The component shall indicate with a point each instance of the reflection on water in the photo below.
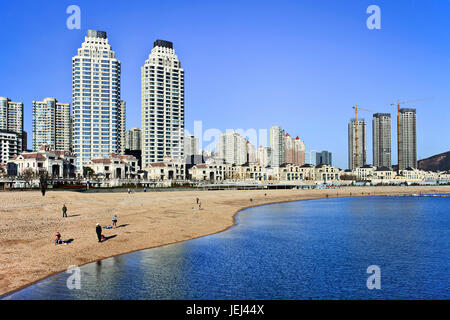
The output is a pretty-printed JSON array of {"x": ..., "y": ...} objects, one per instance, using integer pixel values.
[{"x": 316, "y": 249}]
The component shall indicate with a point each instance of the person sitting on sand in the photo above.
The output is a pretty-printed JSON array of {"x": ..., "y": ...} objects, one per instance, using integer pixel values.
[
  {"x": 114, "y": 221},
  {"x": 199, "y": 206},
  {"x": 98, "y": 230},
  {"x": 58, "y": 238}
]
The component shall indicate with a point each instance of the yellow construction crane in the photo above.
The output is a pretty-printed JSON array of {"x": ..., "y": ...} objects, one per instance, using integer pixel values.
[
  {"x": 356, "y": 130},
  {"x": 397, "y": 104}
]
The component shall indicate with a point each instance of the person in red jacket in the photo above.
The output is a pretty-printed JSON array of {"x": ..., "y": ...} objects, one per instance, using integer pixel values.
[{"x": 57, "y": 238}]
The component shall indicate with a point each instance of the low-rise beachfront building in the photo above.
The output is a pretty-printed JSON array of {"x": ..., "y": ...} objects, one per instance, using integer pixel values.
[
  {"x": 58, "y": 164},
  {"x": 209, "y": 172},
  {"x": 444, "y": 176},
  {"x": 168, "y": 169},
  {"x": 261, "y": 173},
  {"x": 229, "y": 172},
  {"x": 327, "y": 173},
  {"x": 289, "y": 172},
  {"x": 410, "y": 174},
  {"x": 255, "y": 172},
  {"x": 226, "y": 172},
  {"x": 131, "y": 161},
  {"x": 308, "y": 171},
  {"x": 200, "y": 172},
  {"x": 365, "y": 173},
  {"x": 266, "y": 174},
  {"x": 416, "y": 175},
  {"x": 113, "y": 167},
  {"x": 383, "y": 173},
  {"x": 429, "y": 175}
]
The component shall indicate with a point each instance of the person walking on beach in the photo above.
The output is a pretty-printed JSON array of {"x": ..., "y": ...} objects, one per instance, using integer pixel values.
[
  {"x": 98, "y": 230},
  {"x": 197, "y": 200},
  {"x": 64, "y": 211},
  {"x": 114, "y": 221},
  {"x": 199, "y": 206}
]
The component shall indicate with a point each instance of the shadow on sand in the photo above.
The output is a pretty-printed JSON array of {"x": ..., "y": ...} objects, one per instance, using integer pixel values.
[
  {"x": 110, "y": 237},
  {"x": 65, "y": 241}
]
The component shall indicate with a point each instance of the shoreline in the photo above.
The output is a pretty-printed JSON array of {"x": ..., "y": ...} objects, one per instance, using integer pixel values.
[{"x": 282, "y": 196}]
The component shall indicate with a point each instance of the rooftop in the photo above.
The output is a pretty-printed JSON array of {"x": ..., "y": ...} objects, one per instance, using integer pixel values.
[
  {"x": 96, "y": 34},
  {"x": 163, "y": 43}
]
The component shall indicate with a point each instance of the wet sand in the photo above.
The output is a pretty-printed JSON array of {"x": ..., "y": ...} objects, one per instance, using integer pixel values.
[{"x": 29, "y": 221}]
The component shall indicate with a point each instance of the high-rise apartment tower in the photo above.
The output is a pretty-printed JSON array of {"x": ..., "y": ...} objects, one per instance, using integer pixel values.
[
  {"x": 95, "y": 99},
  {"x": 52, "y": 125},
  {"x": 162, "y": 102}
]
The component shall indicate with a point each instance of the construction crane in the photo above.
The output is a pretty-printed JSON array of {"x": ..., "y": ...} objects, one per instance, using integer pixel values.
[
  {"x": 397, "y": 104},
  {"x": 356, "y": 130}
]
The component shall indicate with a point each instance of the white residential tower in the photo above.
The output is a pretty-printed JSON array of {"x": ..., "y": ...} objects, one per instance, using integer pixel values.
[{"x": 96, "y": 99}]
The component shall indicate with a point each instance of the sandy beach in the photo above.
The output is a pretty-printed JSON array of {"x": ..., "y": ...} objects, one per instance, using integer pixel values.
[{"x": 29, "y": 221}]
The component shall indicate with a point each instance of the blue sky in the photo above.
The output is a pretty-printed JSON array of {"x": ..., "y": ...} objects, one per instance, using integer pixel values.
[{"x": 251, "y": 64}]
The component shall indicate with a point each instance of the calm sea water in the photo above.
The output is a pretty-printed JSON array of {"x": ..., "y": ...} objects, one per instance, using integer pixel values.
[{"x": 315, "y": 249}]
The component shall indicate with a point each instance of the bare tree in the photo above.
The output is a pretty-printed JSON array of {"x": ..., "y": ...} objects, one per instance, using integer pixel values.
[
  {"x": 43, "y": 181},
  {"x": 28, "y": 175}
]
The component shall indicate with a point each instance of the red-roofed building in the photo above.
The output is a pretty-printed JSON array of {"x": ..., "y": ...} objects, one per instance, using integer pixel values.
[
  {"x": 294, "y": 151},
  {"x": 58, "y": 164},
  {"x": 168, "y": 169},
  {"x": 115, "y": 166}
]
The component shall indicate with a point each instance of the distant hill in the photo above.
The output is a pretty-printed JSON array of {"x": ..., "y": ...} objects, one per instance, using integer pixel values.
[{"x": 439, "y": 162}]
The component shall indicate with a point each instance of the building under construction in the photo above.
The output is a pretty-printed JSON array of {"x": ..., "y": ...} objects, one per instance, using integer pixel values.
[
  {"x": 356, "y": 143},
  {"x": 408, "y": 138},
  {"x": 381, "y": 138}
]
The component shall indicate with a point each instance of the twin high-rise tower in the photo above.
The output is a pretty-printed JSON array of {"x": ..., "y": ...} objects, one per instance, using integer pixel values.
[{"x": 99, "y": 112}]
